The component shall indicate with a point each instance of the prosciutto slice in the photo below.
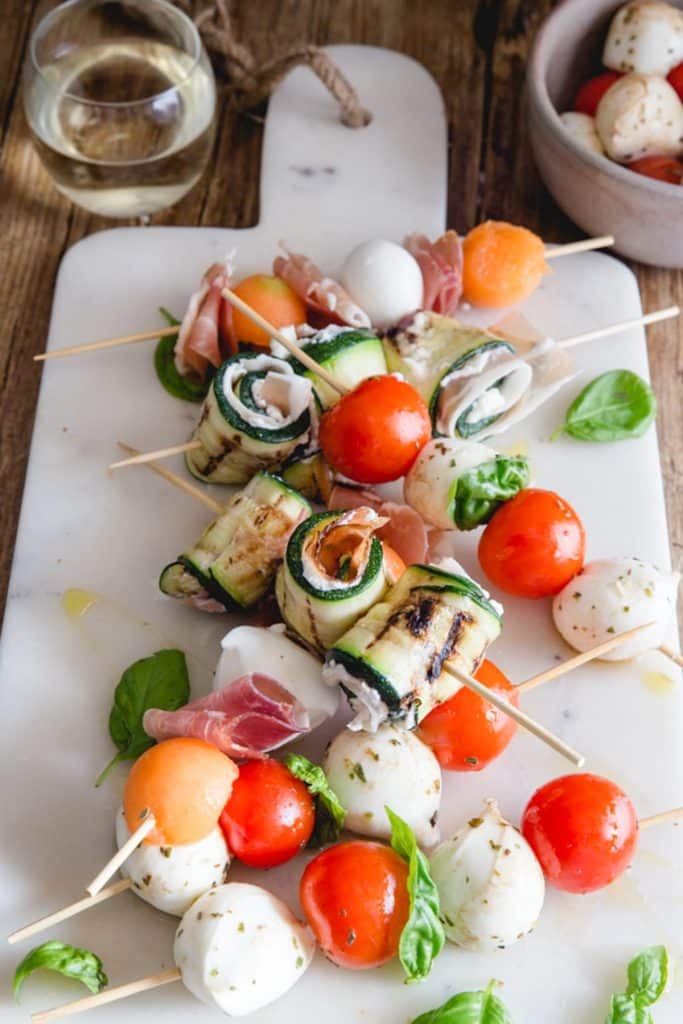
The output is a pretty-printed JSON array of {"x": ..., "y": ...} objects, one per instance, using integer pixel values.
[
  {"x": 404, "y": 531},
  {"x": 245, "y": 719},
  {"x": 441, "y": 266},
  {"x": 206, "y": 334},
  {"x": 325, "y": 298}
]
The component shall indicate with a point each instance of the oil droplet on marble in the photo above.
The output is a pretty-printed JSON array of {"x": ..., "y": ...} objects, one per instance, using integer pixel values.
[
  {"x": 77, "y": 602},
  {"x": 518, "y": 450},
  {"x": 657, "y": 682}
]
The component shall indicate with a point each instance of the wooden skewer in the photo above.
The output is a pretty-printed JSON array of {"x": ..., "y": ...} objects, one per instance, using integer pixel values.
[
  {"x": 96, "y": 346},
  {"x": 675, "y": 814},
  {"x": 624, "y": 325},
  {"x": 177, "y": 481},
  {"x": 123, "y": 853},
  {"x": 159, "y": 453},
  {"x": 110, "y": 995},
  {"x": 669, "y": 653},
  {"x": 69, "y": 911},
  {"x": 601, "y": 242},
  {"x": 519, "y": 716}
]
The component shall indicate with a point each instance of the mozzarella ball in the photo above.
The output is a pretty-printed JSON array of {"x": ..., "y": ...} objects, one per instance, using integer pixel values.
[
  {"x": 390, "y": 767},
  {"x": 645, "y": 36},
  {"x": 171, "y": 878},
  {"x": 385, "y": 280},
  {"x": 240, "y": 948},
  {"x": 612, "y": 595},
  {"x": 581, "y": 128},
  {"x": 640, "y": 115},
  {"x": 491, "y": 886},
  {"x": 429, "y": 486}
]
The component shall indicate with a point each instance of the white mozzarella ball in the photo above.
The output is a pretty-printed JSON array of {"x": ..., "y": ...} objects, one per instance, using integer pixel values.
[
  {"x": 171, "y": 878},
  {"x": 392, "y": 768},
  {"x": 612, "y": 595},
  {"x": 429, "y": 486},
  {"x": 491, "y": 886},
  {"x": 640, "y": 115},
  {"x": 645, "y": 36},
  {"x": 581, "y": 127},
  {"x": 240, "y": 948},
  {"x": 257, "y": 649},
  {"x": 385, "y": 280}
]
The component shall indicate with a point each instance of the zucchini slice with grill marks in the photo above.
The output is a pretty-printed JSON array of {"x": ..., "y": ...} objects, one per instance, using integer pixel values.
[
  {"x": 332, "y": 573},
  {"x": 237, "y": 555},
  {"x": 311, "y": 475},
  {"x": 390, "y": 662},
  {"x": 351, "y": 356},
  {"x": 256, "y": 413}
]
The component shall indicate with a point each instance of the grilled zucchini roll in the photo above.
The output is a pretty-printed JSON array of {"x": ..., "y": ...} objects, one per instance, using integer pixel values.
[
  {"x": 256, "y": 413},
  {"x": 332, "y": 573},
  {"x": 235, "y": 559},
  {"x": 351, "y": 356},
  {"x": 311, "y": 475},
  {"x": 390, "y": 662}
]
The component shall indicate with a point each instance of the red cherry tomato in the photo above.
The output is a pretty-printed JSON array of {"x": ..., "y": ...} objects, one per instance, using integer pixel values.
[
  {"x": 592, "y": 91},
  {"x": 675, "y": 78},
  {"x": 269, "y": 816},
  {"x": 375, "y": 433},
  {"x": 466, "y": 732},
  {"x": 534, "y": 544},
  {"x": 355, "y": 897},
  {"x": 583, "y": 829},
  {"x": 663, "y": 168}
]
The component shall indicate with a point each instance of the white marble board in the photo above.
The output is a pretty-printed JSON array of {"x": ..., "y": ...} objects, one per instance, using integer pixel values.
[{"x": 324, "y": 189}]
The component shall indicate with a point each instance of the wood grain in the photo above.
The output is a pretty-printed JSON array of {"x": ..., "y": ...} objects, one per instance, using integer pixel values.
[{"x": 476, "y": 50}]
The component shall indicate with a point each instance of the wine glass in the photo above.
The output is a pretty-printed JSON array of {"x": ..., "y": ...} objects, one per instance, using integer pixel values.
[{"x": 120, "y": 100}]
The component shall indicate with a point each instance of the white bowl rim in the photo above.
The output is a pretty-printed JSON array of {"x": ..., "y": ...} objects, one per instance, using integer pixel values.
[{"x": 537, "y": 86}]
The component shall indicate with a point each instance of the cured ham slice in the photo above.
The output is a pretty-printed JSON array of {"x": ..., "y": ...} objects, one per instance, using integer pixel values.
[
  {"x": 404, "y": 530},
  {"x": 245, "y": 719},
  {"x": 324, "y": 297},
  {"x": 441, "y": 266},
  {"x": 206, "y": 336}
]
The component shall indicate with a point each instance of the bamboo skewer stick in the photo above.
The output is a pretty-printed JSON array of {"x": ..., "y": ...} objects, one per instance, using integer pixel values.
[
  {"x": 585, "y": 245},
  {"x": 669, "y": 653},
  {"x": 520, "y": 717},
  {"x": 675, "y": 814},
  {"x": 110, "y": 995},
  {"x": 623, "y": 325},
  {"x": 177, "y": 481},
  {"x": 96, "y": 346},
  {"x": 69, "y": 911},
  {"x": 123, "y": 853},
  {"x": 159, "y": 453}
]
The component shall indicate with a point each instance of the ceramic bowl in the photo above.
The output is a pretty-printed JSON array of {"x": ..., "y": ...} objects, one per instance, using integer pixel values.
[{"x": 645, "y": 216}]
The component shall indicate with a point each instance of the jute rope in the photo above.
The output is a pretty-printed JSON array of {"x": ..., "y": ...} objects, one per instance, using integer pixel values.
[{"x": 251, "y": 82}]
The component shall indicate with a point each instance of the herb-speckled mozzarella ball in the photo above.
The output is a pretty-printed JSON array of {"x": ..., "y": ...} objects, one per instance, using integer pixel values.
[
  {"x": 491, "y": 886},
  {"x": 429, "y": 486},
  {"x": 582, "y": 129},
  {"x": 171, "y": 878},
  {"x": 640, "y": 115},
  {"x": 385, "y": 280},
  {"x": 390, "y": 767},
  {"x": 612, "y": 595},
  {"x": 645, "y": 36},
  {"x": 240, "y": 948}
]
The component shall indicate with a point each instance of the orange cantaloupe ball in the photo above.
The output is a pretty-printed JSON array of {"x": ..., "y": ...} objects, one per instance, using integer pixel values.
[
  {"x": 503, "y": 264},
  {"x": 274, "y": 300},
  {"x": 185, "y": 783}
]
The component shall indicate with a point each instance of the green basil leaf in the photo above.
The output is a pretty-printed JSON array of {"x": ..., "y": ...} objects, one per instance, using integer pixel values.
[
  {"x": 615, "y": 406},
  {"x": 160, "y": 681},
  {"x": 422, "y": 938},
  {"x": 469, "y": 1008},
  {"x": 648, "y": 974},
  {"x": 80, "y": 964},
  {"x": 625, "y": 1009},
  {"x": 189, "y": 388},
  {"x": 481, "y": 490},
  {"x": 329, "y": 812}
]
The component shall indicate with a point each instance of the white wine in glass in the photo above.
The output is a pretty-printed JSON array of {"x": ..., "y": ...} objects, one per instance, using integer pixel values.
[{"x": 120, "y": 99}]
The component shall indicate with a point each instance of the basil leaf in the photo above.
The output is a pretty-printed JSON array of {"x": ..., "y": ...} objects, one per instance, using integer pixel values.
[
  {"x": 469, "y": 1008},
  {"x": 648, "y": 974},
  {"x": 329, "y": 812},
  {"x": 615, "y": 406},
  {"x": 422, "y": 938},
  {"x": 80, "y": 964},
  {"x": 625, "y": 1009},
  {"x": 189, "y": 388},
  {"x": 481, "y": 490},
  {"x": 160, "y": 681}
]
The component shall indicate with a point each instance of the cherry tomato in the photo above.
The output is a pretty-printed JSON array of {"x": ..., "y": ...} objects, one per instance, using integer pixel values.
[
  {"x": 583, "y": 829},
  {"x": 663, "y": 168},
  {"x": 675, "y": 78},
  {"x": 533, "y": 545},
  {"x": 269, "y": 816},
  {"x": 274, "y": 300},
  {"x": 355, "y": 897},
  {"x": 375, "y": 432},
  {"x": 466, "y": 732},
  {"x": 592, "y": 91},
  {"x": 185, "y": 783}
]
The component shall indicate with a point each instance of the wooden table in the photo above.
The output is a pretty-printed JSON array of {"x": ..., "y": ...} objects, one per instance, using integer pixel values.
[{"x": 476, "y": 51}]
